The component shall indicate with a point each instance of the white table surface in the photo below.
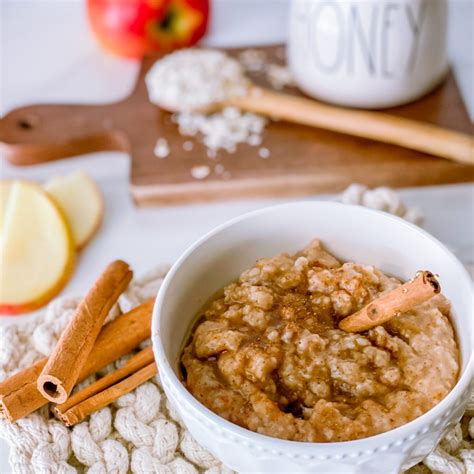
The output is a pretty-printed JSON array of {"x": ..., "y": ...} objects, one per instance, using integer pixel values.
[{"x": 47, "y": 55}]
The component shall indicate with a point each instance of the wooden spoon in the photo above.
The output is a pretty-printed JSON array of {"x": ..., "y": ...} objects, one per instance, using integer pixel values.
[{"x": 378, "y": 126}]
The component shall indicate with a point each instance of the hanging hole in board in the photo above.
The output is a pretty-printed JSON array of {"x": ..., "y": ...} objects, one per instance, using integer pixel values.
[{"x": 28, "y": 123}]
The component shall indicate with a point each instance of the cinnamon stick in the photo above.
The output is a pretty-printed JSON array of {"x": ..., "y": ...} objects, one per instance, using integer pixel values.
[
  {"x": 62, "y": 370},
  {"x": 100, "y": 400},
  {"x": 135, "y": 363},
  {"x": 18, "y": 394},
  {"x": 414, "y": 292}
]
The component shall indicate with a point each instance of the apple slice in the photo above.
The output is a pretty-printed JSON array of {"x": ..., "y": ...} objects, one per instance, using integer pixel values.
[
  {"x": 36, "y": 247},
  {"x": 81, "y": 202}
]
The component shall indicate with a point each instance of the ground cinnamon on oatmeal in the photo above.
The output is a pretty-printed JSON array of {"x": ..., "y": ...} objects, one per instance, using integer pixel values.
[{"x": 268, "y": 356}]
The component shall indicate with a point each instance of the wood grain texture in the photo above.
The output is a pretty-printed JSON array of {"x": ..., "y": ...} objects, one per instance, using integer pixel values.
[{"x": 303, "y": 160}]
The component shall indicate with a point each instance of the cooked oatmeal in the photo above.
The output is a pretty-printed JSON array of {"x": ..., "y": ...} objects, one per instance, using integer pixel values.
[{"x": 267, "y": 354}]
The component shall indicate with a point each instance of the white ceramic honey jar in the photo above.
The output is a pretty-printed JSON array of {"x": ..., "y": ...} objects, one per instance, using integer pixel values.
[{"x": 368, "y": 53}]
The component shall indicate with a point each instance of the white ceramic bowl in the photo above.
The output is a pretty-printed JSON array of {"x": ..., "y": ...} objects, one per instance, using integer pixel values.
[{"x": 351, "y": 233}]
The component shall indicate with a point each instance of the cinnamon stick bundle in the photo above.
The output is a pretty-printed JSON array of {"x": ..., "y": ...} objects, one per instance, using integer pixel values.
[
  {"x": 135, "y": 363},
  {"x": 80, "y": 411},
  {"x": 106, "y": 390},
  {"x": 18, "y": 394},
  {"x": 64, "y": 365},
  {"x": 414, "y": 292}
]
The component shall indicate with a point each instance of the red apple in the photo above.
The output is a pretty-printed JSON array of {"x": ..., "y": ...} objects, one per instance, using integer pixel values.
[{"x": 133, "y": 28}]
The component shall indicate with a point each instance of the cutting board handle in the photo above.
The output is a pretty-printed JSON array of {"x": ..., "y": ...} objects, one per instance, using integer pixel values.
[{"x": 42, "y": 133}]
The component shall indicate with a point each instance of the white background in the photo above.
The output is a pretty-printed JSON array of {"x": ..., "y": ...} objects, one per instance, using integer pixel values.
[{"x": 48, "y": 55}]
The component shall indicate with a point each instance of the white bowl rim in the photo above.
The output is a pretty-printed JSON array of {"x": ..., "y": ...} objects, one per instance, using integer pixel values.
[{"x": 400, "y": 432}]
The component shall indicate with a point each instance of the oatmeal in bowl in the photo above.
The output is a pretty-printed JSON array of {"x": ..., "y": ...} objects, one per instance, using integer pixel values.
[
  {"x": 269, "y": 356},
  {"x": 261, "y": 336}
]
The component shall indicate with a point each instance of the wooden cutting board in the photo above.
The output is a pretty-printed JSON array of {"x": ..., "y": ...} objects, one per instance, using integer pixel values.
[{"x": 302, "y": 160}]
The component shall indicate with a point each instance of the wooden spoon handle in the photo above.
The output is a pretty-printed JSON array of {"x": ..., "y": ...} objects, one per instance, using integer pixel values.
[
  {"x": 378, "y": 126},
  {"x": 41, "y": 133}
]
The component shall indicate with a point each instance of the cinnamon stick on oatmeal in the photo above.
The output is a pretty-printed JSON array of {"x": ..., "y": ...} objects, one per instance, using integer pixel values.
[
  {"x": 100, "y": 400},
  {"x": 414, "y": 292},
  {"x": 61, "y": 372},
  {"x": 18, "y": 394},
  {"x": 135, "y": 363}
]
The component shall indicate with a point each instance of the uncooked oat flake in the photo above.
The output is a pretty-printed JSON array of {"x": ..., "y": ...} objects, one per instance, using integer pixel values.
[
  {"x": 253, "y": 59},
  {"x": 264, "y": 153},
  {"x": 162, "y": 149},
  {"x": 279, "y": 76},
  {"x": 382, "y": 199},
  {"x": 256, "y": 60},
  {"x": 200, "y": 172},
  {"x": 222, "y": 130}
]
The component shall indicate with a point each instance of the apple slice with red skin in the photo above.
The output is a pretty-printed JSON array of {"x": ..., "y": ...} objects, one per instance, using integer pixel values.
[
  {"x": 36, "y": 248},
  {"x": 134, "y": 28}
]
